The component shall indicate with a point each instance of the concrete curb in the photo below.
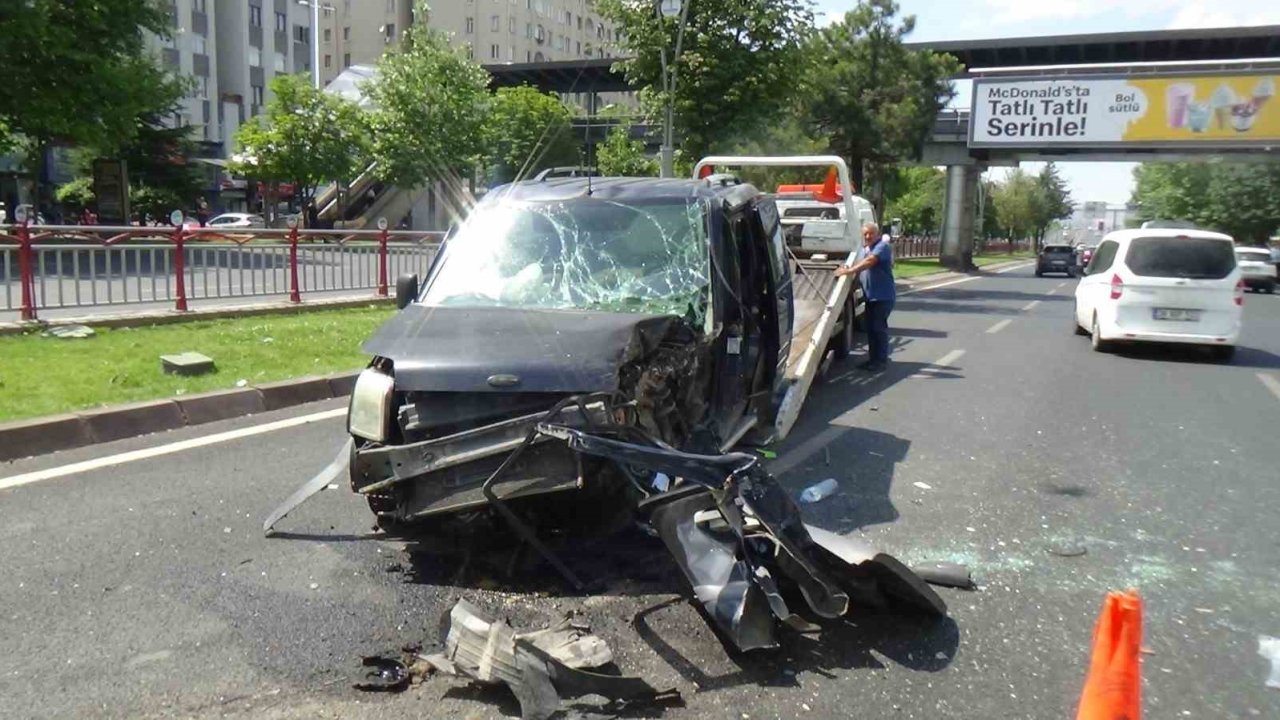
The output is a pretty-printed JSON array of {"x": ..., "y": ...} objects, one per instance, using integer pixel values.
[
  {"x": 167, "y": 317},
  {"x": 38, "y": 436}
]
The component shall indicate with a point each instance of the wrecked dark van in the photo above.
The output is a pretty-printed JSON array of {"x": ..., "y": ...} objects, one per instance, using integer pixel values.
[{"x": 612, "y": 340}]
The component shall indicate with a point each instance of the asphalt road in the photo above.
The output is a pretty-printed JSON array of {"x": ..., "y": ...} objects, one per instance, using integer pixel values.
[{"x": 996, "y": 438}]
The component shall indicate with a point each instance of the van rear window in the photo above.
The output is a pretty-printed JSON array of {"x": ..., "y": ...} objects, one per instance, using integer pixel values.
[{"x": 1181, "y": 257}]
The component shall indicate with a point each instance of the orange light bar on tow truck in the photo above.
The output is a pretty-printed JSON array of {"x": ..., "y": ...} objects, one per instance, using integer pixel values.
[{"x": 828, "y": 192}]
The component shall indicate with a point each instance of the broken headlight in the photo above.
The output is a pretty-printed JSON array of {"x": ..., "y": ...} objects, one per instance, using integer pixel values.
[{"x": 370, "y": 410}]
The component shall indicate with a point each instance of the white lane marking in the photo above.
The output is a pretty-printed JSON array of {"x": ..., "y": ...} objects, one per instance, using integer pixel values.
[
  {"x": 1011, "y": 269},
  {"x": 145, "y": 453},
  {"x": 1272, "y": 384},
  {"x": 1052, "y": 291},
  {"x": 1061, "y": 284},
  {"x": 999, "y": 326},
  {"x": 807, "y": 449},
  {"x": 949, "y": 283},
  {"x": 941, "y": 363},
  {"x": 1028, "y": 306}
]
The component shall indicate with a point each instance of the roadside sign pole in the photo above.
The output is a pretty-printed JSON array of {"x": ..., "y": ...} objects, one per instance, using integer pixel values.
[
  {"x": 295, "y": 296},
  {"x": 179, "y": 267},
  {"x": 26, "y": 272},
  {"x": 382, "y": 257}
]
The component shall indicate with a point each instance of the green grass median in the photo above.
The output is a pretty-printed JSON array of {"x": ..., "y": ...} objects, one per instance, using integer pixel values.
[
  {"x": 45, "y": 375},
  {"x": 903, "y": 269}
]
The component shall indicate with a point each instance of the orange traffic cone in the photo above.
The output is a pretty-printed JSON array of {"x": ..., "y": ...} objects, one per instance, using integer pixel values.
[{"x": 1112, "y": 690}]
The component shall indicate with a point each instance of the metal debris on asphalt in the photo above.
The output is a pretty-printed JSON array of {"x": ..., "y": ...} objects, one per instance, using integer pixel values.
[
  {"x": 538, "y": 667},
  {"x": 383, "y": 675},
  {"x": 946, "y": 574}
]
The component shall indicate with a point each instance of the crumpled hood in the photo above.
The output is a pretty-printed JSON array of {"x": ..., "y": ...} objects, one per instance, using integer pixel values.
[{"x": 460, "y": 349}]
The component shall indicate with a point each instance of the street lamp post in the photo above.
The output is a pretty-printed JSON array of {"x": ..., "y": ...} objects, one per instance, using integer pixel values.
[
  {"x": 315, "y": 36},
  {"x": 668, "y": 9}
]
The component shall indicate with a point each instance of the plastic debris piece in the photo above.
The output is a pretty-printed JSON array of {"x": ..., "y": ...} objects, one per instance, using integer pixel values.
[
  {"x": 383, "y": 675},
  {"x": 768, "y": 454},
  {"x": 922, "y": 486},
  {"x": 67, "y": 332},
  {"x": 1067, "y": 548},
  {"x": 1269, "y": 648},
  {"x": 819, "y": 491},
  {"x": 539, "y": 668},
  {"x": 661, "y": 482},
  {"x": 241, "y": 382},
  {"x": 946, "y": 574}
]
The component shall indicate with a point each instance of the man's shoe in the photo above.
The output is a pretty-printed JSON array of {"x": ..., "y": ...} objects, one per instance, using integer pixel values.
[
  {"x": 874, "y": 367},
  {"x": 867, "y": 365}
]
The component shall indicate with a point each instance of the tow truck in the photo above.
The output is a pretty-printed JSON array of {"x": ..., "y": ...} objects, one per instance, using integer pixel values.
[{"x": 614, "y": 340}]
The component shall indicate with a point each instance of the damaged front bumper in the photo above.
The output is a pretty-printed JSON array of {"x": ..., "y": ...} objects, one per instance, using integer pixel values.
[
  {"x": 735, "y": 533},
  {"x": 743, "y": 547}
]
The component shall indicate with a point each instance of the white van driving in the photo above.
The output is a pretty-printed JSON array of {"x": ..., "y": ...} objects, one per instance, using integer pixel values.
[{"x": 1162, "y": 285}]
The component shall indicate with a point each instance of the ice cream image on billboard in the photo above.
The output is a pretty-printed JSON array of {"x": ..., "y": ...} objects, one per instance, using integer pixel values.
[{"x": 1221, "y": 102}]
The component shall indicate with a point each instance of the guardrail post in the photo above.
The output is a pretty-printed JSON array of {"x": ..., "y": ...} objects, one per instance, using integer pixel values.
[
  {"x": 382, "y": 262},
  {"x": 180, "y": 267},
  {"x": 26, "y": 273},
  {"x": 295, "y": 294}
]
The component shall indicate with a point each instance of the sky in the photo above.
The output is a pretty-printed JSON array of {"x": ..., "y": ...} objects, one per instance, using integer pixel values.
[{"x": 984, "y": 19}]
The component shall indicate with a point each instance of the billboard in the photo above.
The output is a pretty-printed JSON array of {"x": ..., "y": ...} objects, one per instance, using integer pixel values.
[{"x": 1172, "y": 111}]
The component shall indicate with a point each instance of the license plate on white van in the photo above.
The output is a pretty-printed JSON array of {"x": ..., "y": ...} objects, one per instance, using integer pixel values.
[{"x": 1176, "y": 314}]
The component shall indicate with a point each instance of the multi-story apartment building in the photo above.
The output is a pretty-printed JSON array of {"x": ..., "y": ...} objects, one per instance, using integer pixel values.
[
  {"x": 357, "y": 32},
  {"x": 231, "y": 49}
]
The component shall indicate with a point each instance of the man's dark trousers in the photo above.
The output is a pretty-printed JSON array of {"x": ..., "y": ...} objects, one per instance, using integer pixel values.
[{"x": 877, "y": 316}]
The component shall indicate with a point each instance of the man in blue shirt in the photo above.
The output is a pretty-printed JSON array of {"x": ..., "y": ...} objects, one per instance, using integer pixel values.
[{"x": 874, "y": 266}]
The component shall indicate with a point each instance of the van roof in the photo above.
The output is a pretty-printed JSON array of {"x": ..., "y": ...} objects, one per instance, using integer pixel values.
[{"x": 1130, "y": 234}]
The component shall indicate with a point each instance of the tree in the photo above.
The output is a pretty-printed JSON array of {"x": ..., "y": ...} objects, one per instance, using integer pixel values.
[
  {"x": 429, "y": 107},
  {"x": 1015, "y": 202},
  {"x": 736, "y": 71},
  {"x": 528, "y": 131},
  {"x": 79, "y": 73},
  {"x": 872, "y": 98},
  {"x": 620, "y": 156},
  {"x": 1240, "y": 199},
  {"x": 1052, "y": 201},
  {"x": 916, "y": 195},
  {"x": 306, "y": 137}
]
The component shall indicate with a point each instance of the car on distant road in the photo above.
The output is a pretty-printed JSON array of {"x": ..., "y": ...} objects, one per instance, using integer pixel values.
[
  {"x": 1056, "y": 259},
  {"x": 1256, "y": 268},
  {"x": 236, "y": 221},
  {"x": 1162, "y": 286}
]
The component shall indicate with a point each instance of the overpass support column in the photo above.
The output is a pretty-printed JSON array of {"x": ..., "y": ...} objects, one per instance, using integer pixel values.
[{"x": 958, "y": 217}]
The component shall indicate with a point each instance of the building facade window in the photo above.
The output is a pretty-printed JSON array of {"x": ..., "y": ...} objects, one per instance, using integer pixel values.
[
  {"x": 391, "y": 32},
  {"x": 198, "y": 5},
  {"x": 255, "y": 56},
  {"x": 255, "y": 16},
  {"x": 279, "y": 62},
  {"x": 511, "y": 25},
  {"x": 328, "y": 60},
  {"x": 346, "y": 33},
  {"x": 328, "y": 35},
  {"x": 495, "y": 23},
  {"x": 282, "y": 22},
  {"x": 346, "y": 60},
  {"x": 258, "y": 94},
  {"x": 471, "y": 26},
  {"x": 198, "y": 45},
  {"x": 495, "y": 52}
]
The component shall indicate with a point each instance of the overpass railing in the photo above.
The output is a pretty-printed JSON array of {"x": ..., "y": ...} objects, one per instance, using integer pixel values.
[{"x": 63, "y": 266}]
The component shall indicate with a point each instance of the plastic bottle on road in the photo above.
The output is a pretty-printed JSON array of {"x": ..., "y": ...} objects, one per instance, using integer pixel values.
[{"x": 814, "y": 493}]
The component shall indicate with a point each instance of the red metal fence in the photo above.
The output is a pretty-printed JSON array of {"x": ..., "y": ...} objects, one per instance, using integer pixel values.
[{"x": 57, "y": 265}]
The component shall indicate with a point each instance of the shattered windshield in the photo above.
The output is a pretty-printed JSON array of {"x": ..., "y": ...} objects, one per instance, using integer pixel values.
[{"x": 584, "y": 253}]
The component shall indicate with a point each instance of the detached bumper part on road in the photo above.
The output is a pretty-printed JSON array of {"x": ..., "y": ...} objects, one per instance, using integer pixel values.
[{"x": 734, "y": 532}]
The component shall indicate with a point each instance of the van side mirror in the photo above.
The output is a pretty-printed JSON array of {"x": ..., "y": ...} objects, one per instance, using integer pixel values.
[{"x": 406, "y": 290}]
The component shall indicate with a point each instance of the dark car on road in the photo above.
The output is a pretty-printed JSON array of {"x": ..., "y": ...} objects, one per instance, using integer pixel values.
[{"x": 1056, "y": 259}]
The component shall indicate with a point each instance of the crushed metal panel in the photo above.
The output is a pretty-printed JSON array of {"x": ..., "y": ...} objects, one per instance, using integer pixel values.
[{"x": 539, "y": 667}]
